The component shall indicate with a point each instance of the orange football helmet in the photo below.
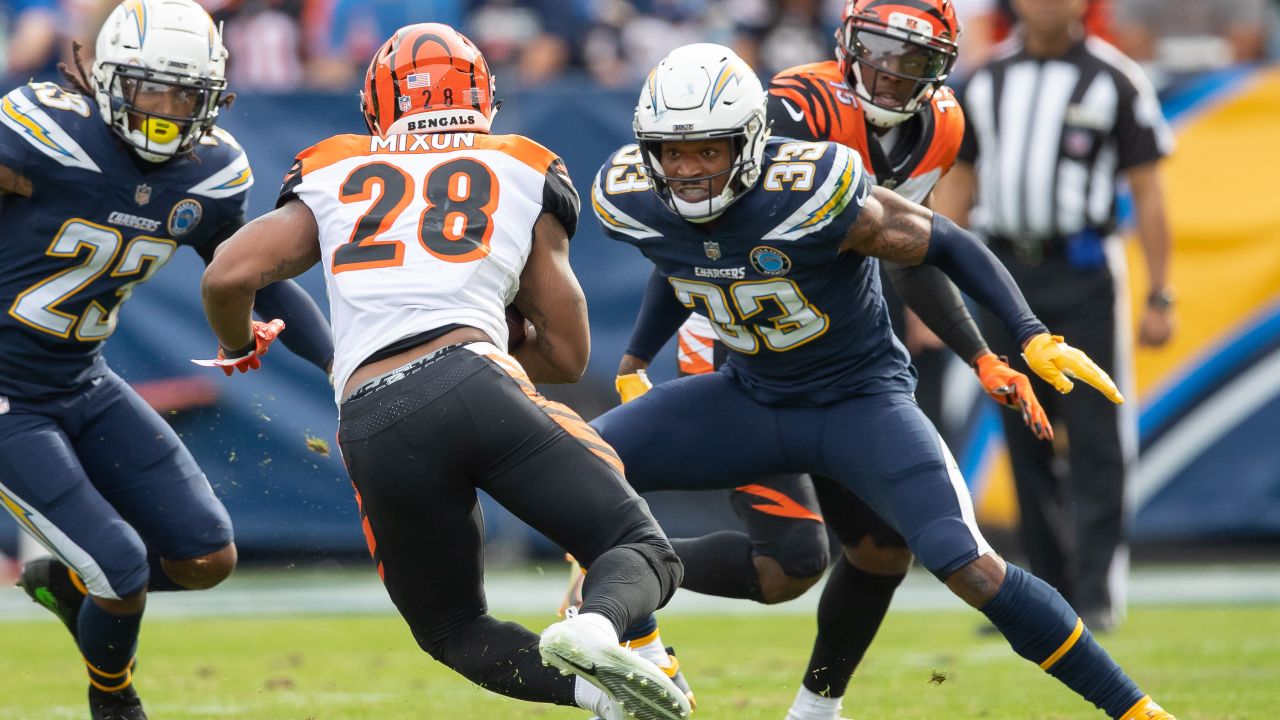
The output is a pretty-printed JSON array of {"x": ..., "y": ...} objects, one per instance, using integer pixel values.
[
  {"x": 895, "y": 53},
  {"x": 428, "y": 78}
]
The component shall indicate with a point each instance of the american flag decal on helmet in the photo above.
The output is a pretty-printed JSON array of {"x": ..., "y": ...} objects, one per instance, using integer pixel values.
[{"x": 417, "y": 80}]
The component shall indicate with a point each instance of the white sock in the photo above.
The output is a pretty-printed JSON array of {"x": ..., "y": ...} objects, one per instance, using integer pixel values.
[
  {"x": 589, "y": 697},
  {"x": 653, "y": 650},
  {"x": 809, "y": 705},
  {"x": 599, "y": 621}
]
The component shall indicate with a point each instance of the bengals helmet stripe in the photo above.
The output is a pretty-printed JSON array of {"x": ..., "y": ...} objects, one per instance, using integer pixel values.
[
  {"x": 926, "y": 7},
  {"x": 428, "y": 78}
]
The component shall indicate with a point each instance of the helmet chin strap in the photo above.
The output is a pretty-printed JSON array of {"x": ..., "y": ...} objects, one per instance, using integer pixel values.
[
  {"x": 693, "y": 211},
  {"x": 717, "y": 204}
]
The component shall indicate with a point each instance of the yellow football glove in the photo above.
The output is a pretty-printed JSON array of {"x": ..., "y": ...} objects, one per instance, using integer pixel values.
[
  {"x": 1055, "y": 362},
  {"x": 632, "y": 385}
]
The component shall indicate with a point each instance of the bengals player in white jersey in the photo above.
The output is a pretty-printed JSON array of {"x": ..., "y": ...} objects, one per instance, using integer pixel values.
[{"x": 428, "y": 229}]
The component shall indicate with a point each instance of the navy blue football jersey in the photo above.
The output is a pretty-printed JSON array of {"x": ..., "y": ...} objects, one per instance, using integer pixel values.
[
  {"x": 98, "y": 221},
  {"x": 805, "y": 323}
]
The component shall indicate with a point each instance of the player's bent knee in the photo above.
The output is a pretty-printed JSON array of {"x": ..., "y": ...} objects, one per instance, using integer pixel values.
[
  {"x": 869, "y": 557},
  {"x": 946, "y": 545},
  {"x": 776, "y": 586},
  {"x": 978, "y": 581},
  {"x": 127, "y": 605},
  {"x": 204, "y": 572},
  {"x": 804, "y": 554},
  {"x": 663, "y": 561},
  {"x": 123, "y": 567}
]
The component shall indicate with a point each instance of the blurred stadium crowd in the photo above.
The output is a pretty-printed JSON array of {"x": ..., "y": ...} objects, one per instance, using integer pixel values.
[{"x": 286, "y": 45}]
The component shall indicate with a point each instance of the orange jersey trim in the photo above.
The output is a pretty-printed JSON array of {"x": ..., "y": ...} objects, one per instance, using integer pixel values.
[
  {"x": 561, "y": 414},
  {"x": 833, "y": 112},
  {"x": 340, "y": 147}
]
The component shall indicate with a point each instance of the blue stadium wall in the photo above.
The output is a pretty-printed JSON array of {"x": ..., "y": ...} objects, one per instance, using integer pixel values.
[{"x": 1209, "y": 406}]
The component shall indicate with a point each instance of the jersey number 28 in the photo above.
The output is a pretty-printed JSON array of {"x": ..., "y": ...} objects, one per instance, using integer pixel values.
[{"x": 461, "y": 196}]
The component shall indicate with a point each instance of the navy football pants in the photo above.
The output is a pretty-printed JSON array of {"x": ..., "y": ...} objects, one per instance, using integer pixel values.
[
  {"x": 98, "y": 477},
  {"x": 703, "y": 432}
]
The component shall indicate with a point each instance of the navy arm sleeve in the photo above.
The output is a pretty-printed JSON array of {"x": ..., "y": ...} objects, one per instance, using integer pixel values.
[
  {"x": 661, "y": 315},
  {"x": 979, "y": 274},
  {"x": 927, "y": 291},
  {"x": 306, "y": 332}
]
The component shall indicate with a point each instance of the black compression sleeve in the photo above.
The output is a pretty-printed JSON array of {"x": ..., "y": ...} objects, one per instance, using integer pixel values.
[
  {"x": 306, "y": 332},
  {"x": 661, "y": 315},
  {"x": 977, "y": 272},
  {"x": 927, "y": 291}
]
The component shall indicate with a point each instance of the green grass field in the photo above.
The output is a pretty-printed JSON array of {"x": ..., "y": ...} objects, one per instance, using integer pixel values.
[{"x": 1202, "y": 663}]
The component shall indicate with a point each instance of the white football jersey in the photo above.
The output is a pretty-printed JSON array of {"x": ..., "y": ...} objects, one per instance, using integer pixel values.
[{"x": 419, "y": 232}]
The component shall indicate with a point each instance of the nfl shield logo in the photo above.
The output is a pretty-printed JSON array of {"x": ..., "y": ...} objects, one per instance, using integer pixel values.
[
  {"x": 712, "y": 249},
  {"x": 142, "y": 194},
  {"x": 405, "y": 102}
]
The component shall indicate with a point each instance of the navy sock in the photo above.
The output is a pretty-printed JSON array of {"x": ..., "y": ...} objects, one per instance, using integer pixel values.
[
  {"x": 850, "y": 611},
  {"x": 640, "y": 628},
  {"x": 719, "y": 564},
  {"x": 108, "y": 643},
  {"x": 1042, "y": 627},
  {"x": 160, "y": 580}
]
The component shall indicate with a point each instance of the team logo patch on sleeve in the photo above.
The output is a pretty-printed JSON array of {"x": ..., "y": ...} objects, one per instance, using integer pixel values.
[
  {"x": 184, "y": 217},
  {"x": 770, "y": 261}
]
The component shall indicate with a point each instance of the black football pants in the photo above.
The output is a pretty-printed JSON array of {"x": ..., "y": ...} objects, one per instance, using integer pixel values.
[{"x": 421, "y": 440}]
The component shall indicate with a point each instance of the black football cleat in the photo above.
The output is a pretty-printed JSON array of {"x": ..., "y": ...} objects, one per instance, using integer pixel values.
[
  {"x": 121, "y": 705},
  {"x": 53, "y": 585}
]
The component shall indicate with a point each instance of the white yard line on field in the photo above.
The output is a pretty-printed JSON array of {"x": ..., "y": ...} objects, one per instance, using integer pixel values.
[{"x": 356, "y": 592}]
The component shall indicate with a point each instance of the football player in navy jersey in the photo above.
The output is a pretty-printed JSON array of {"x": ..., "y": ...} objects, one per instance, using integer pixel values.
[
  {"x": 777, "y": 242},
  {"x": 897, "y": 54},
  {"x": 102, "y": 182}
]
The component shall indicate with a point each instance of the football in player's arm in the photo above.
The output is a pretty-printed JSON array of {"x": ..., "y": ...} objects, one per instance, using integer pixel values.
[{"x": 421, "y": 281}]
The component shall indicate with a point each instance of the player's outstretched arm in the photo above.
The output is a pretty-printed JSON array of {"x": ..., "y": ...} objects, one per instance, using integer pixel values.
[
  {"x": 559, "y": 345},
  {"x": 938, "y": 303},
  {"x": 277, "y": 246},
  {"x": 661, "y": 315},
  {"x": 893, "y": 228},
  {"x": 936, "y": 300},
  {"x": 307, "y": 333}
]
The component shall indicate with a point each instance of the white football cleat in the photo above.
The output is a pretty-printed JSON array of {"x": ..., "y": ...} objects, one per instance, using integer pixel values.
[{"x": 583, "y": 646}]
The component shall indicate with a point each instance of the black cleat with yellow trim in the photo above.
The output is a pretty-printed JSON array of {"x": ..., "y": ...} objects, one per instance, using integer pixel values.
[{"x": 120, "y": 705}]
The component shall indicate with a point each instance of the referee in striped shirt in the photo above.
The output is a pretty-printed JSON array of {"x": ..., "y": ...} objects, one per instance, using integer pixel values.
[{"x": 1055, "y": 120}]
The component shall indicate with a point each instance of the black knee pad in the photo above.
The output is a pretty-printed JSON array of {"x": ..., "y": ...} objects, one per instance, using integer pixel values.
[
  {"x": 438, "y": 638},
  {"x": 804, "y": 551},
  {"x": 662, "y": 560}
]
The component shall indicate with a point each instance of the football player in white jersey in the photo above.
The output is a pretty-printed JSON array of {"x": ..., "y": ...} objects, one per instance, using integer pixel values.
[{"x": 428, "y": 229}]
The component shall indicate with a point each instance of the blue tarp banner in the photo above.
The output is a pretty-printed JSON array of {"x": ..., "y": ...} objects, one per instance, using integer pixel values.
[{"x": 260, "y": 437}]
